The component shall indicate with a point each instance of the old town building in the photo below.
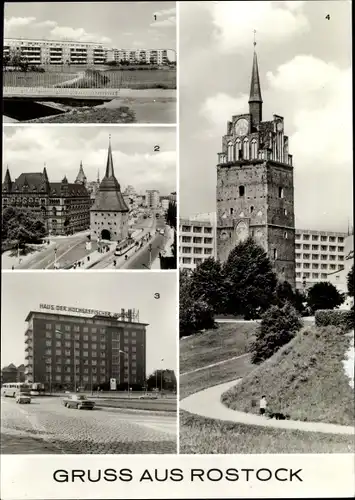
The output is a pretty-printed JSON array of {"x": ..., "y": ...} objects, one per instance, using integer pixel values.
[
  {"x": 255, "y": 191},
  {"x": 109, "y": 213},
  {"x": 64, "y": 207}
]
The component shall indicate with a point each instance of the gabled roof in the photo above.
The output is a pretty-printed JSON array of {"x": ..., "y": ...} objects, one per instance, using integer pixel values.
[{"x": 67, "y": 189}]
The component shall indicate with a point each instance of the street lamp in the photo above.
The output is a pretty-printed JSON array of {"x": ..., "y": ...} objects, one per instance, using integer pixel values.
[
  {"x": 161, "y": 379},
  {"x": 127, "y": 354}
]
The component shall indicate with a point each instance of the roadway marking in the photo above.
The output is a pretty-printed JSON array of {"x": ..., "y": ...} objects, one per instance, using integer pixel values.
[{"x": 62, "y": 255}]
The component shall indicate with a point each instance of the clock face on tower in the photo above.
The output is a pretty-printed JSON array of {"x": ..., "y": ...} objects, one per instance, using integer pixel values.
[
  {"x": 224, "y": 235},
  {"x": 241, "y": 127}
]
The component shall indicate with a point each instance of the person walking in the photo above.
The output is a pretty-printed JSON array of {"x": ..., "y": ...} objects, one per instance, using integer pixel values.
[{"x": 263, "y": 405}]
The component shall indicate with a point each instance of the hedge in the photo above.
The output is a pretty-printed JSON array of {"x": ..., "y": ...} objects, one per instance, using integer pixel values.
[{"x": 341, "y": 318}]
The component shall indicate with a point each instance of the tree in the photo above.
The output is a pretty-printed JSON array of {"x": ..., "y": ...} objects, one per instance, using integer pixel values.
[
  {"x": 170, "y": 217},
  {"x": 284, "y": 293},
  {"x": 207, "y": 284},
  {"x": 350, "y": 282},
  {"x": 250, "y": 280},
  {"x": 22, "y": 226},
  {"x": 165, "y": 379},
  {"x": 277, "y": 328},
  {"x": 195, "y": 315},
  {"x": 324, "y": 295}
]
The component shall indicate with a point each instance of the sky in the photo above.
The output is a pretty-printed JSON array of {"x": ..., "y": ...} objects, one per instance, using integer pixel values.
[
  {"x": 125, "y": 290},
  {"x": 126, "y": 25},
  {"x": 61, "y": 148},
  {"x": 305, "y": 72}
]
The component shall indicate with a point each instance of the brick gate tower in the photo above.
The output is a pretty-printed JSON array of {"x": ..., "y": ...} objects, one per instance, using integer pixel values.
[{"x": 255, "y": 185}]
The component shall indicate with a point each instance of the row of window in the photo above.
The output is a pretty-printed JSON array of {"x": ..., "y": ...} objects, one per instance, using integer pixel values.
[
  {"x": 67, "y": 369},
  {"x": 324, "y": 248},
  {"x": 196, "y": 229},
  {"x": 315, "y": 256},
  {"x": 307, "y": 265},
  {"x": 315, "y": 237},
  {"x": 242, "y": 150},
  {"x": 85, "y": 378},
  {"x": 314, "y": 275},
  {"x": 85, "y": 354},
  {"x": 196, "y": 239},
  {"x": 93, "y": 362},
  {"x": 189, "y": 260},
  {"x": 206, "y": 251}
]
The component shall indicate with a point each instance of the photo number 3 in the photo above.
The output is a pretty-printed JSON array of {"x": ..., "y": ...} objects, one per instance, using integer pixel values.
[{"x": 157, "y": 295}]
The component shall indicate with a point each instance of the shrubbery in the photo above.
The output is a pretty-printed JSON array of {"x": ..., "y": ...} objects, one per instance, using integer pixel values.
[
  {"x": 342, "y": 319},
  {"x": 324, "y": 295},
  {"x": 277, "y": 328}
]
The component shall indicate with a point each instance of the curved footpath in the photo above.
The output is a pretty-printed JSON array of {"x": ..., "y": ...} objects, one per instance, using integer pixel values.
[{"x": 207, "y": 403}]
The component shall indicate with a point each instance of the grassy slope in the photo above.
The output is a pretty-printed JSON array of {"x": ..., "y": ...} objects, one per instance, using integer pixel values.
[
  {"x": 204, "y": 435},
  {"x": 219, "y": 344},
  {"x": 305, "y": 379}
]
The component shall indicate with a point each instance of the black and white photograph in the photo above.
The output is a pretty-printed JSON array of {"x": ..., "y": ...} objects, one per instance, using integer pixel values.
[
  {"x": 89, "y": 62},
  {"x": 89, "y": 198},
  {"x": 89, "y": 364},
  {"x": 266, "y": 235}
]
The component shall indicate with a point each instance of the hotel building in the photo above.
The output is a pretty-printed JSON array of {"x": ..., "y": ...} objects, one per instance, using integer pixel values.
[
  {"x": 318, "y": 254},
  {"x": 84, "y": 350},
  {"x": 197, "y": 240},
  {"x": 54, "y": 52}
]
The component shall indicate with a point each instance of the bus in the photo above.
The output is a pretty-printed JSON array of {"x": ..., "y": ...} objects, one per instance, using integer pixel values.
[{"x": 11, "y": 389}]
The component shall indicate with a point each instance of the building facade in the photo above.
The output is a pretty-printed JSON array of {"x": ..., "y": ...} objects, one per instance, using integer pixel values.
[
  {"x": 152, "y": 198},
  {"x": 255, "y": 191},
  {"x": 12, "y": 373},
  {"x": 71, "y": 351},
  {"x": 148, "y": 56},
  {"x": 197, "y": 240},
  {"x": 109, "y": 213},
  {"x": 64, "y": 207},
  {"x": 54, "y": 52},
  {"x": 319, "y": 254}
]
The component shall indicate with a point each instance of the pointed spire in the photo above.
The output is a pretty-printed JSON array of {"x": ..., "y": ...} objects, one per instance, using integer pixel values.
[
  {"x": 255, "y": 99},
  {"x": 109, "y": 166},
  {"x": 7, "y": 180},
  {"x": 98, "y": 176},
  {"x": 81, "y": 177}
]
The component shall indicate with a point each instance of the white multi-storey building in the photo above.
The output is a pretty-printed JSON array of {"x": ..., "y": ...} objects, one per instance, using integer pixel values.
[
  {"x": 319, "y": 254},
  {"x": 152, "y": 198},
  {"x": 149, "y": 56},
  {"x": 197, "y": 239},
  {"x": 54, "y": 52}
]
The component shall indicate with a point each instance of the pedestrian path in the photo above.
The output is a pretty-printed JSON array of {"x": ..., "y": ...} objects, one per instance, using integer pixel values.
[{"x": 207, "y": 403}]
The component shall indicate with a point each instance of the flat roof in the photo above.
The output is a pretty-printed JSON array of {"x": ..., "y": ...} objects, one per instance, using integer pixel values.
[{"x": 78, "y": 316}]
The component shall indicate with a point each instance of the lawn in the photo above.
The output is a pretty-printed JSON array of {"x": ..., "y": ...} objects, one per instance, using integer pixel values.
[
  {"x": 223, "y": 342},
  {"x": 304, "y": 379},
  {"x": 122, "y": 114},
  {"x": 147, "y": 405},
  {"x": 205, "y": 436}
]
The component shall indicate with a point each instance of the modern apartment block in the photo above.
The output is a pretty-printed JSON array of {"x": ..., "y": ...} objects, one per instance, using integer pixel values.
[
  {"x": 152, "y": 198},
  {"x": 318, "y": 254},
  {"x": 62, "y": 52},
  {"x": 54, "y": 52},
  {"x": 67, "y": 350},
  {"x": 197, "y": 240},
  {"x": 149, "y": 56}
]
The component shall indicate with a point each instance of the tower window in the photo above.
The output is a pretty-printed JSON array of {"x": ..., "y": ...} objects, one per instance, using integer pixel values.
[
  {"x": 275, "y": 254},
  {"x": 254, "y": 149},
  {"x": 231, "y": 211},
  {"x": 230, "y": 152},
  {"x": 251, "y": 209},
  {"x": 281, "y": 192},
  {"x": 246, "y": 149},
  {"x": 285, "y": 235},
  {"x": 241, "y": 191},
  {"x": 285, "y": 211}
]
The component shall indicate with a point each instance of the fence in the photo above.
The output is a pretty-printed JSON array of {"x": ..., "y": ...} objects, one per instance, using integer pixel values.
[{"x": 93, "y": 79}]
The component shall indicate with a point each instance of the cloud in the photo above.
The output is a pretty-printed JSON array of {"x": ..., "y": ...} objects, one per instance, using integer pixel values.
[
  {"x": 273, "y": 22},
  {"x": 320, "y": 107},
  {"x": 165, "y": 12},
  {"x": 46, "y": 24},
  {"x": 17, "y": 22},
  {"x": 218, "y": 109},
  {"x": 79, "y": 34}
]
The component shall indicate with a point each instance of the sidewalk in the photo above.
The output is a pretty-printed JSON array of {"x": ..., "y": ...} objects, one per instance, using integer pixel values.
[
  {"x": 207, "y": 403},
  {"x": 167, "y": 252}
]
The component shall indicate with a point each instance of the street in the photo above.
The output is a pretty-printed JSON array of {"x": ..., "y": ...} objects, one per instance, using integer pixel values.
[{"x": 51, "y": 427}]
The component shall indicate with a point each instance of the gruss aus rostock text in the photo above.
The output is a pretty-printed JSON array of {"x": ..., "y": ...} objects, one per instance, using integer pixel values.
[{"x": 161, "y": 475}]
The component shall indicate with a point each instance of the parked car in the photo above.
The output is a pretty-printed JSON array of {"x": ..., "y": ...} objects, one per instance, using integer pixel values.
[
  {"x": 148, "y": 396},
  {"x": 78, "y": 401},
  {"x": 23, "y": 398}
]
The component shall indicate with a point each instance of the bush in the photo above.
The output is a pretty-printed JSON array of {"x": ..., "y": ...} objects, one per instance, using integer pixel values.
[
  {"x": 342, "y": 319},
  {"x": 324, "y": 295},
  {"x": 195, "y": 317},
  {"x": 277, "y": 328}
]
